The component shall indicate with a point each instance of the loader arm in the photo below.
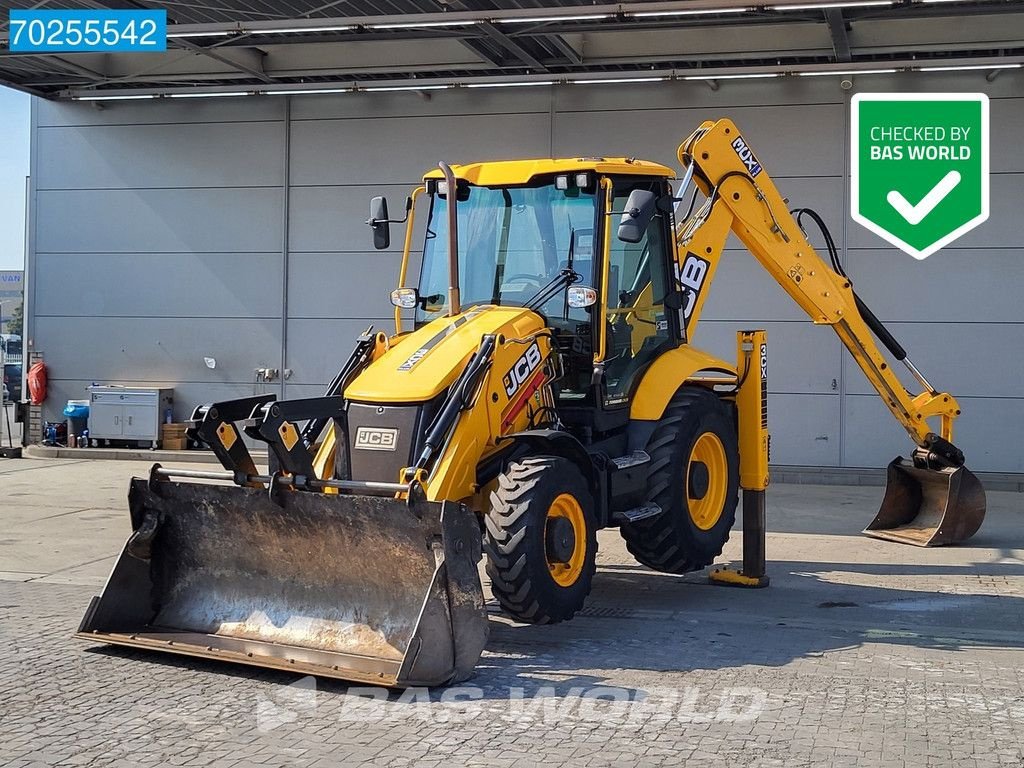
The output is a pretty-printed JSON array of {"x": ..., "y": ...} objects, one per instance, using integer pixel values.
[{"x": 742, "y": 199}]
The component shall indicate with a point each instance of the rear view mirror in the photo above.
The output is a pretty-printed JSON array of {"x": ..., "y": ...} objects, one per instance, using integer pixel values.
[
  {"x": 640, "y": 209},
  {"x": 379, "y": 223}
]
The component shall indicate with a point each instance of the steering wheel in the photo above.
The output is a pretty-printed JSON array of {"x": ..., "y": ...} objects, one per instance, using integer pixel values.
[{"x": 522, "y": 276}]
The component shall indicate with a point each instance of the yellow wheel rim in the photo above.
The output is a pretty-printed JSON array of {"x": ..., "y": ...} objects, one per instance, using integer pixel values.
[
  {"x": 706, "y": 488},
  {"x": 566, "y": 507}
]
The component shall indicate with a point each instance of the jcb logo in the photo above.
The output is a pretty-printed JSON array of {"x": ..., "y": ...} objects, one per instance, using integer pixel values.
[
  {"x": 741, "y": 149},
  {"x": 691, "y": 276},
  {"x": 376, "y": 438},
  {"x": 522, "y": 369}
]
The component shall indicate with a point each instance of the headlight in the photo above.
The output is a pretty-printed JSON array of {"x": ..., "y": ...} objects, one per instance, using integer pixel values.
[
  {"x": 581, "y": 296},
  {"x": 405, "y": 297}
]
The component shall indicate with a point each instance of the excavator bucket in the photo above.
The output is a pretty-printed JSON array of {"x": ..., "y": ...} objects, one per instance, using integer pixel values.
[
  {"x": 363, "y": 588},
  {"x": 929, "y": 507}
]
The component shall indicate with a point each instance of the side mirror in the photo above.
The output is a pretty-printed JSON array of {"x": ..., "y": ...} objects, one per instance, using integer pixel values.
[
  {"x": 640, "y": 209},
  {"x": 379, "y": 223}
]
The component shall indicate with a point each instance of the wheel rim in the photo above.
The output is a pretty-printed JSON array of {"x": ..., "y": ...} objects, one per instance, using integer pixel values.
[
  {"x": 707, "y": 476},
  {"x": 566, "y": 507}
]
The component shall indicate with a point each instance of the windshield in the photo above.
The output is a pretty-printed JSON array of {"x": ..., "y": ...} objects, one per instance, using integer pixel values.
[{"x": 512, "y": 242}]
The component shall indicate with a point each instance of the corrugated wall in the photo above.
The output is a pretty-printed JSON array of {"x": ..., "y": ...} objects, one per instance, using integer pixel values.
[{"x": 167, "y": 232}]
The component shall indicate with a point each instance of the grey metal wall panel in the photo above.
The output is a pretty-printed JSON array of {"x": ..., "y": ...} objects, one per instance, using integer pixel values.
[
  {"x": 182, "y": 155},
  {"x": 318, "y": 347},
  {"x": 157, "y": 349},
  {"x": 367, "y": 151},
  {"x": 656, "y": 135},
  {"x": 802, "y": 358},
  {"x": 158, "y": 112},
  {"x": 952, "y": 286},
  {"x": 159, "y": 285},
  {"x": 342, "y": 285},
  {"x": 742, "y": 290},
  {"x": 965, "y": 359},
  {"x": 159, "y": 220},
  {"x": 987, "y": 433},
  {"x": 333, "y": 218},
  {"x": 1006, "y": 116},
  {"x": 795, "y": 92},
  {"x": 454, "y": 104},
  {"x": 804, "y": 429}
]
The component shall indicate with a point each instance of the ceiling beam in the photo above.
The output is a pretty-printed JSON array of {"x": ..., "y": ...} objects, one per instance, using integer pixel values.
[
  {"x": 840, "y": 39},
  {"x": 512, "y": 47},
  {"x": 254, "y": 70},
  {"x": 573, "y": 56}
]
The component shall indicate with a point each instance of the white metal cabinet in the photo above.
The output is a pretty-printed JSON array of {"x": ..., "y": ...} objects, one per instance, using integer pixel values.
[{"x": 127, "y": 413}]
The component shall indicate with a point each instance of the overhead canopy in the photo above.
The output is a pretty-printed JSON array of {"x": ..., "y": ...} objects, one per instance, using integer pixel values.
[{"x": 259, "y": 46}]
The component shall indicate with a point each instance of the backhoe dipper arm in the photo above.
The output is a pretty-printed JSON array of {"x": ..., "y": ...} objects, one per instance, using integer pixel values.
[{"x": 741, "y": 198}]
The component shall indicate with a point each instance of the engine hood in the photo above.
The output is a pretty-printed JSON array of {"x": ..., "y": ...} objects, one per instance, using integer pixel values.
[{"x": 422, "y": 364}]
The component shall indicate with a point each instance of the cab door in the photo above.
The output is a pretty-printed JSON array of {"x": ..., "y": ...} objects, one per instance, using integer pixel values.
[{"x": 638, "y": 326}]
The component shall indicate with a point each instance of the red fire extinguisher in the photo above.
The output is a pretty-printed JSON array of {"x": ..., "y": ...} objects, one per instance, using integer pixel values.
[{"x": 37, "y": 383}]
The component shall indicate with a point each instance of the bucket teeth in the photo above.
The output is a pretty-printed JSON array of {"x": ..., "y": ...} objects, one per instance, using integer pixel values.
[{"x": 929, "y": 507}]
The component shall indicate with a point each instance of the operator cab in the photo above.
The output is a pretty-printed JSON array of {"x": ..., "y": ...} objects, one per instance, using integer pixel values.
[{"x": 546, "y": 234}]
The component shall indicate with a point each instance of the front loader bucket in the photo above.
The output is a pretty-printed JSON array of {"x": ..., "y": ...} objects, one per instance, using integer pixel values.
[
  {"x": 929, "y": 507},
  {"x": 362, "y": 588}
]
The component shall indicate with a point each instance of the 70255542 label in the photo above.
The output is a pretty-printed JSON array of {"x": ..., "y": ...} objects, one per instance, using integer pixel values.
[{"x": 66, "y": 31}]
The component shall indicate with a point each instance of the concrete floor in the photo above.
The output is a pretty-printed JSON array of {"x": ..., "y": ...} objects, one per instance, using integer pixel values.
[{"x": 862, "y": 652}]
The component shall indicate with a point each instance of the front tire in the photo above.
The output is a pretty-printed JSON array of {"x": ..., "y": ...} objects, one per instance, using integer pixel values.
[
  {"x": 540, "y": 540},
  {"x": 694, "y": 478}
]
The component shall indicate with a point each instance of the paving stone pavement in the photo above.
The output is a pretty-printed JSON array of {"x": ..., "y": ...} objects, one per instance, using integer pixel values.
[{"x": 862, "y": 653}]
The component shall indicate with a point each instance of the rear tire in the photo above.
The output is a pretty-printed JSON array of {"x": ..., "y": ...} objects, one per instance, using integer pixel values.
[
  {"x": 694, "y": 478},
  {"x": 540, "y": 540}
]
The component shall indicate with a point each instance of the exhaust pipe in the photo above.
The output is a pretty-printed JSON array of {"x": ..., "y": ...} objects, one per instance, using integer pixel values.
[{"x": 454, "y": 301}]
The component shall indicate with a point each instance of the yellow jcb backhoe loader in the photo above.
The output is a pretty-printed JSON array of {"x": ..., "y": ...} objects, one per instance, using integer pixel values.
[{"x": 540, "y": 385}]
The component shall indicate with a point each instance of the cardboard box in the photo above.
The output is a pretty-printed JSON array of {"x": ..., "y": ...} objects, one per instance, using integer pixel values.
[{"x": 172, "y": 437}]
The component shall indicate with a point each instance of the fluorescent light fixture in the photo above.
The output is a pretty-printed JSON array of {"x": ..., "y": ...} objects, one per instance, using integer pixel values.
[
  {"x": 310, "y": 90},
  {"x": 687, "y": 12},
  {"x": 824, "y": 73},
  {"x": 131, "y": 97},
  {"x": 520, "y": 84},
  {"x": 752, "y": 75},
  {"x": 217, "y": 33},
  {"x": 424, "y": 24},
  {"x": 542, "y": 19},
  {"x": 610, "y": 80},
  {"x": 208, "y": 95},
  {"x": 842, "y": 4},
  {"x": 290, "y": 30},
  {"x": 268, "y": 31},
  {"x": 965, "y": 67},
  {"x": 385, "y": 88}
]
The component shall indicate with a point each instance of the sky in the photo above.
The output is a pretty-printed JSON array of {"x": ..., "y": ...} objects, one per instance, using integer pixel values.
[{"x": 14, "y": 142}]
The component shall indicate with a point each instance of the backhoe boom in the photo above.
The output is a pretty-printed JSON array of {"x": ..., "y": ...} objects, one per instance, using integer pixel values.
[{"x": 741, "y": 198}]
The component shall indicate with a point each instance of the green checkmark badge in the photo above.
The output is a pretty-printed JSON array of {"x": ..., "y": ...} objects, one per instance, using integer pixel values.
[{"x": 919, "y": 167}]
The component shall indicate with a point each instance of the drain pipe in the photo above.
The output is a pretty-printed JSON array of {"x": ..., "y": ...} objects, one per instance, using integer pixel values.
[{"x": 454, "y": 303}]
